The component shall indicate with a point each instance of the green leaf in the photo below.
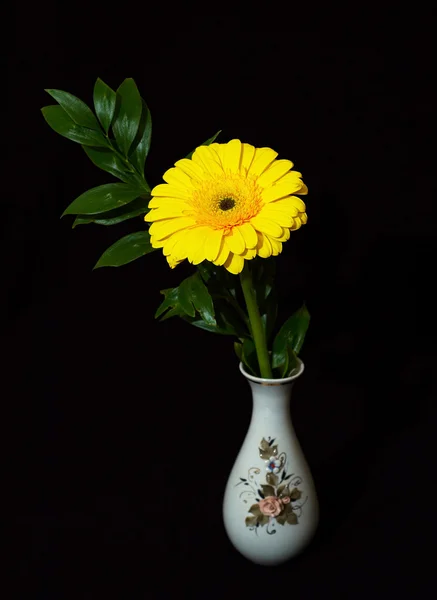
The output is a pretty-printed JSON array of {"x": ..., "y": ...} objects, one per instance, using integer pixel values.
[
  {"x": 268, "y": 490},
  {"x": 274, "y": 450},
  {"x": 291, "y": 334},
  {"x": 281, "y": 519},
  {"x": 249, "y": 357},
  {"x": 255, "y": 510},
  {"x": 142, "y": 140},
  {"x": 263, "y": 520},
  {"x": 283, "y": 490},
  {"x": 264, "y": 445},
  {"x": 295, "y": 494},
  {"x": 60, "y": 122},
  {"x": 105, "y": 159},
  {"x": 171, "y": 300},
  {"x": 194, "y": 296},
  {"x": 272, "y": 479},
  {"x": 128, "y": 248},
  {"x": 112, "y": 217},
  {"x": 206, "y": 143},
  {"x": 291, "y": 518},
  {"x": 264, "y": 454},
  {"x": 77, "y": 110},
  {"x": 238, "y": 347},
  {"x": 251, "y": 521},
  {"x": 128, "y": 115},
  {"x": 105, "y": 100},
  {"x": 103, "y": 198}
]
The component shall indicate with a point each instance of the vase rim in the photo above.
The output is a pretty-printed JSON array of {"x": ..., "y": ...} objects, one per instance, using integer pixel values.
[{"x": 272, "y": 382}]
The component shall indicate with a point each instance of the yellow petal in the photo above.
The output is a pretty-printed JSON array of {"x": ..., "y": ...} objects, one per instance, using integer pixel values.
[
  {"x": 219, "y": 149},
  {"x": 192, "y": 169},
  {"x": 195, "y": 243},
  {"x": 173, "y": 262},
  {"x": 303, "y": 190},
  {"x": 283, "y": 187},
  {"x": 234, "y": 264},
  {"x": 178, "y": 178},
  {"x": 223, "y": 253},
  {"x": 171, "y": 191},
  {"x": 281, "y": 217},
  {"x": 303, "y": 218},
  {"x": 207, "y": 159},
  {"x": 297, "y": 224},
  {"x": 249, "y": 235},
  {"x": 277, "y": 170},
  {"x": 161, "y": 229},
  {"x": 264, "y": 247},
  {"x": 285, "y": 235},
  {"x": 235, "y": 241},
  {"x": 291, "y": 204},
  {"x": 166, "y": 212},
  {"x": 170, "y": 242},
  {"x": 232, "y": 155},
  {"x": 247, "y": 154},
  {"x": 266, "y": 226},
  {"x": 213, "y": 243},
  {"x": 262, "y": 159},
  {"x": 276, "y": 246},
  {"x": 249, "y": 253}
]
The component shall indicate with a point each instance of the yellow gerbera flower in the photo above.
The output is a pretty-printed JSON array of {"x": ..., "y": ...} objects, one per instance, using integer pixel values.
[{"x": 227, "y": 204}]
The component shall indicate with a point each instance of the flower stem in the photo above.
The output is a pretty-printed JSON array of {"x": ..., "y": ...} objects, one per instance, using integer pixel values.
[{"x": 256, "y": 324}]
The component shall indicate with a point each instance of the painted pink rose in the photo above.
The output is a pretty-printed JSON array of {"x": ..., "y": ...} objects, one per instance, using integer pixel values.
[
  {"x": 270, "y": 506},
  {"x": 285, "y": 499}
]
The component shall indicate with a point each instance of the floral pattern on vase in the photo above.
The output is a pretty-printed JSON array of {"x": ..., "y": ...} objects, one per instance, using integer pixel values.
[{"x": 278, "y": 500}]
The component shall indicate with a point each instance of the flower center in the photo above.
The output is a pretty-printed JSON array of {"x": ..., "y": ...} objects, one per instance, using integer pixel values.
[{"x": 226, "y": 203}]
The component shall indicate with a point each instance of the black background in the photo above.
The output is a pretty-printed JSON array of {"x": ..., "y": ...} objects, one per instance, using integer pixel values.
[{"x": 124, "y": 430}]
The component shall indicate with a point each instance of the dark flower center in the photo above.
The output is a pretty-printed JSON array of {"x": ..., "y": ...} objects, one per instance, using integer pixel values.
[{"x": 226, "y": 203}]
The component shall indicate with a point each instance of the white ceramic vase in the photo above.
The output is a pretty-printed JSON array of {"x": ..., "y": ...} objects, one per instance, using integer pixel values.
[{"x": 270, "y": 508}]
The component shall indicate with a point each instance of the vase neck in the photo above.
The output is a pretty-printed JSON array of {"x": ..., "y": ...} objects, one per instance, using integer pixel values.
[{"x": 271, "y": 399}]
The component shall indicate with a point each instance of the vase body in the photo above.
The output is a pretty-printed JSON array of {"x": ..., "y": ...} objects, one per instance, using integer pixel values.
[{"x": 270, "y": 507}]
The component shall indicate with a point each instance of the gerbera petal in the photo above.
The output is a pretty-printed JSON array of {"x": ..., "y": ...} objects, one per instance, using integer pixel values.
[
  {"x": 303, "y": 218},
  {"x": 207, "y": 159},
  {"x": 234, "y": 264},
  {"x": 264, "y": 247},
  {"x": 249, "y": 253},
  {"x": 266, "y": 225},
  {"x": 276, "y": 245},
  {"x": 290, "y": 202},
  {"x": 285, "y": 235},
  {"x": 213, "y": 243},
  {"x": 296, "y": 223},
  {"x": 232, "y": 155},
  {"x": 235, "y": 241},
  {"x": 171, "y": 191},
  {"x": 281, "y": 217},
  {"x": 247, "y": 154},
  {"x": 284, "y": 187},
  {"x": 277, "y": 170},
  {"x": 223, "y": 253},
  {"x": 161, "y": 229},
  {"x": 262, "y": 159},
  {"x": 178, "y": 178},
  {"x": 173, "y": 262},
  {"x": 195, "y": 243},
  {"x": 249, "y": 235},
  {"x": 303, "y": 190},
  {"x": 192, "y": 169},
  {"x": 170, "y": 242},
  {"x": 166, "y": 212},
  {"x": 219, "y": 149}
]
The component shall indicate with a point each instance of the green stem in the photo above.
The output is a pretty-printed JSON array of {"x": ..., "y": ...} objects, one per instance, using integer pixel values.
[
  {"x": 256, "y": 324},
  {"x": 131, "y": 168}
]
